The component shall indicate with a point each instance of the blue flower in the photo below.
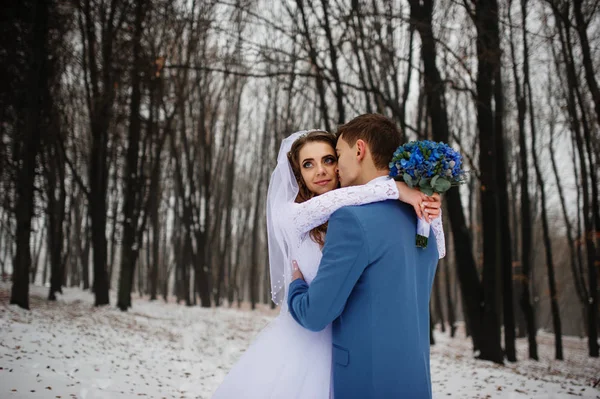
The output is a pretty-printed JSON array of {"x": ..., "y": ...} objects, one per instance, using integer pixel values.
[{"x": 425, "y": 159}]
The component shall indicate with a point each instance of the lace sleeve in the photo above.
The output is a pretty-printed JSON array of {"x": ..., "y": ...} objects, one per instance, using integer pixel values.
[
  {"x": 440, "y": 239},
  {"x": 317, "y": 210}
]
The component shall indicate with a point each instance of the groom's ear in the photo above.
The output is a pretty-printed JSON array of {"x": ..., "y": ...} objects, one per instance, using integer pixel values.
[{"x": 361, "y": 149}]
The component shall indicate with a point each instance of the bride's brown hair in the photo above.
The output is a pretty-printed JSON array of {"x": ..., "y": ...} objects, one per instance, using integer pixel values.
[{"x": 304, "y": 194}]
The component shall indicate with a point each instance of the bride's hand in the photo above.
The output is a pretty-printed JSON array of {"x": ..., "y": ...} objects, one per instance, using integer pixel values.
[
  {"x": 297, "y": 273},
  {"x": 426, "y": 207}
]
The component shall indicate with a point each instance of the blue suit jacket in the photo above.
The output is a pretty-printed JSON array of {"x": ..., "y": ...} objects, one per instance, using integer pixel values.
[{"x": 374, "y": 285}]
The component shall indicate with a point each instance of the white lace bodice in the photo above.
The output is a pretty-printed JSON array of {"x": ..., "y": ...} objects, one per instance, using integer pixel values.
[{"x": 316, "y": 211}]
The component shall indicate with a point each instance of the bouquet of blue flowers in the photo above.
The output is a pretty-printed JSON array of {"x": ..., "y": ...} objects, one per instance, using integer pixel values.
[{"x": 430, "y": 166}]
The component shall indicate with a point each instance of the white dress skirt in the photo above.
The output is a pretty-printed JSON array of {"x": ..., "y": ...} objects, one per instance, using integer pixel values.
[{"x": 285, "y": 360}]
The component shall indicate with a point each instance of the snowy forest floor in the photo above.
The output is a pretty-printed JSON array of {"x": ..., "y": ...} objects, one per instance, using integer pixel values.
[{"x": 69, "y": 349}]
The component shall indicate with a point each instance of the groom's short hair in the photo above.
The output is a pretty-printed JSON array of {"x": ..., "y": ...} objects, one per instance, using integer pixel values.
[{"x": 379, "y": 132}]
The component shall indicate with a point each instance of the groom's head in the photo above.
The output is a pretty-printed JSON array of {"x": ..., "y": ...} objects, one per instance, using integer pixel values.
[{"x": 365, "y": 147}]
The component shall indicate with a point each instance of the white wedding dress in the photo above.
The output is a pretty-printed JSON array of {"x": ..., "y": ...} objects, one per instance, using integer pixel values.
[{"x": 285, "y": 360}]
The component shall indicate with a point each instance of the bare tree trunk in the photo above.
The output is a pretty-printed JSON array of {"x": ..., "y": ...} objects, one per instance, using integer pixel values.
[
  {"x": 29, "y": 146},
  {"x": 45, "y": 267},
  {"x": 254, "y": 298},
  {"x": 156, "y": 237},
  {"x": 141, "y": 276},
  {"x": 431, "y": 328},
  {"x": 234, "y": 287},
  {"x": 184, "y": 246},
  {"x": 488, "y": 58},
  {"x": 133, "y": 181},
  {"x": 165, "y": 270},
  {"x": 55, "y": 180},
  {"x": 437, "y": 295},
  {"x": 113, "y": 244},
  {"x": 177, "y": 248},
  {"x": 84, "y": 255},
  {"x": 68, "y": 261},
  {"x": 254, "y": 258},
  {"x": 549, "y": 258},
  {"x": 3, "y": 262},
  {"x": 37, "y": 250},
  {"x": 203, "y": 275},
  {"x": 505, "y": 253},
  {"x": 406, "y": 89},
  {"x": 449, "y": 302},
  {"x": 525, "y": 212},
  {"x": 155, "y": 195}
]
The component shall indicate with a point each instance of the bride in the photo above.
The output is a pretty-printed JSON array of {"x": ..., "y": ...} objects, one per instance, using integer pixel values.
[{"x": 286, "y": 360}]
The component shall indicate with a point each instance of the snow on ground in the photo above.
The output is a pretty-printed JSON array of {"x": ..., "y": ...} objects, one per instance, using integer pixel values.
[
  {"x": 69, "y": 349},
  {"x": 456, "y": 374}
]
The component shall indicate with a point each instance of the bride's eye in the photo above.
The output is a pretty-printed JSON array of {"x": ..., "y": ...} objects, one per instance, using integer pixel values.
[
  {"x": 330, "y": 161},
  {"x": 307, "y": 165}
]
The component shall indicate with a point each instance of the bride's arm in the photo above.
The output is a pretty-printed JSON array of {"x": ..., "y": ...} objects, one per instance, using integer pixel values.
[{"x": 317, "y": 210}]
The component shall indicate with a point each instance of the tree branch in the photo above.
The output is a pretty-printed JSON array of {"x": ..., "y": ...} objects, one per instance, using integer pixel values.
[{"x": 78, "y": 179}]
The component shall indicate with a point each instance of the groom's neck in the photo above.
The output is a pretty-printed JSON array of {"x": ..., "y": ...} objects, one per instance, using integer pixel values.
[{"x": 370, "y": 174}]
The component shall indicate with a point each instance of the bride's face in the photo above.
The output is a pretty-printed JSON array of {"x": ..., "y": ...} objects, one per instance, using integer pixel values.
[{"x": 318, "y": 164}]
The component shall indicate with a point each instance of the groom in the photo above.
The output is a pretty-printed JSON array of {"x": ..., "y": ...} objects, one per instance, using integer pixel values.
[{"x": 373, "y": 283}]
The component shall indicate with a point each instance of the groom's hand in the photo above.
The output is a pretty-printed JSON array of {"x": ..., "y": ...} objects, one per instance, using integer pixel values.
[{"x": 296, "y": 271}]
